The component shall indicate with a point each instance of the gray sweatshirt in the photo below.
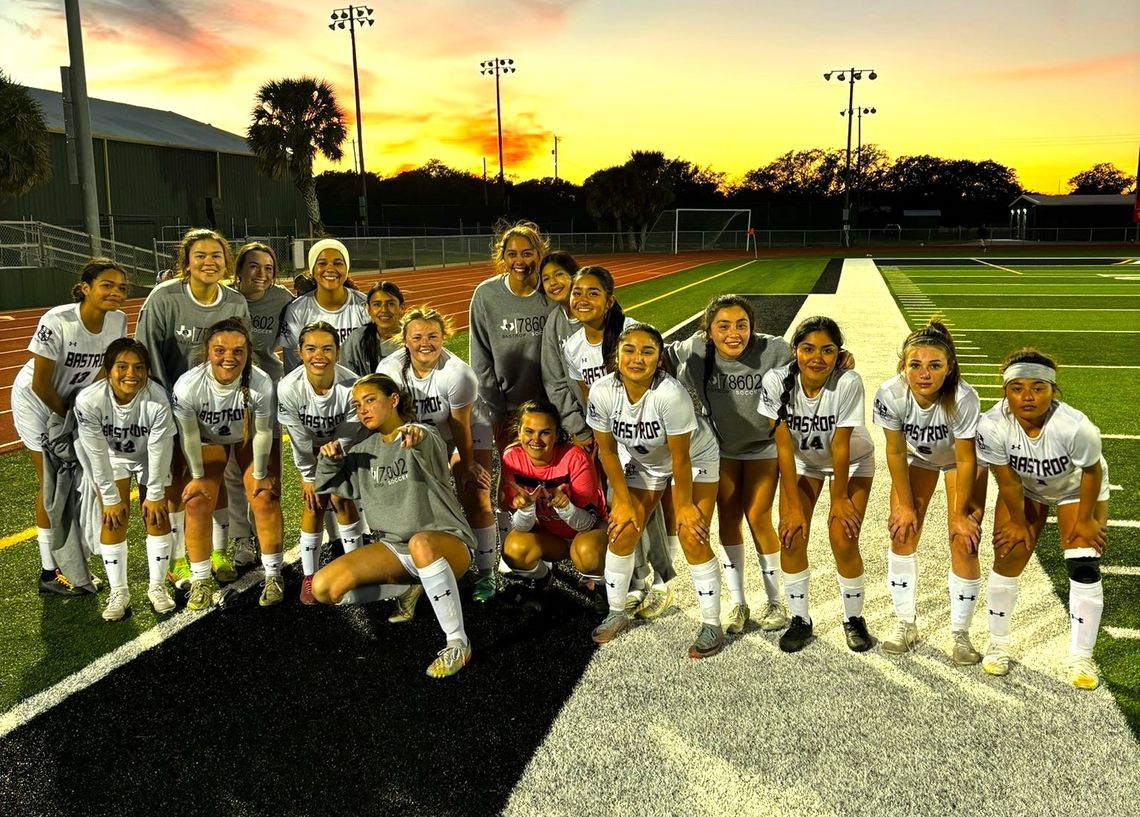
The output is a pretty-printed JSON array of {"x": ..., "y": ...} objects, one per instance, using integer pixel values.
[
  {"x": 171, "y": 325},
  {"x": 506, "y": 345},
  {"x": 730, "y": 393},
  {"x": 266, "y": 314},
  {"x": 353, "y": 356},
  {"x": 560, "y": 388},
  {"x": 402, "y": 490}
]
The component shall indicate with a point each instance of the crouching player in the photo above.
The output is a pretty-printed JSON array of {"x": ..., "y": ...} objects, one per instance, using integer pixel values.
[
  {"x": 1044, "y": 452},
  {"x": 126, "y": 428},
  {"x": 400, "y": 468},
  {"x": 559, "y": 508}
]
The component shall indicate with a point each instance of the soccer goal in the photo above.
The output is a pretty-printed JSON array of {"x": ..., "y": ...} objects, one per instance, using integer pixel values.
[{"x": 697, "y": 228}]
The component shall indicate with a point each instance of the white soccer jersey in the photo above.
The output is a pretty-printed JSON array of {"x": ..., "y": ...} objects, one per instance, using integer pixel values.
[
  {"x": 450, "y": 385},
  {"x": 930, "y": 433},
  {"x": 78, "y": 354},
  {"x": 1050, "y": 465},
  {"x": 643, "y": 428},
  {"x": 314, "y": 419},
  {"x": 220, "y": 409},
  {"x": 306, "y": 310},
  {"x": 138, "y": 436},
  {"x": 812, "y": 420},
  {"x": 584, "y": 360}
]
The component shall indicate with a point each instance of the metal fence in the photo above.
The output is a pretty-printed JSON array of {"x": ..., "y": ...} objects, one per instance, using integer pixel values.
[{"x": 35, "y": 244}]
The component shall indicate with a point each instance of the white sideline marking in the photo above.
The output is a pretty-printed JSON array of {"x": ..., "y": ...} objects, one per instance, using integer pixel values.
[
  {"x": 673, "y": 292},
  {"x": 1121, "y": 570},
  {"x": 1122, "y": 632},
  {"x": 107, "y": 663},
  {"x": 1112, "y": 523},
  {"x": 1063, "y": 331},
  {"x": 1120, "y": 436}
]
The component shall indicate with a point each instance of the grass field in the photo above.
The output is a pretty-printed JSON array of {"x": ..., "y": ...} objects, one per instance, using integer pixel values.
[
  {"x": 1088, "y": 317},
  {"x": 45, "y": 641}
]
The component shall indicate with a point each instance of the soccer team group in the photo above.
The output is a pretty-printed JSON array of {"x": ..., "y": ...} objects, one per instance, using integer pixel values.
[{"x": 615, "y": 450}]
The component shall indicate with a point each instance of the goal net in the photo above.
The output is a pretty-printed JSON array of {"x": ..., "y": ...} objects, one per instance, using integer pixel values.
[{"x": 694, "y": 228}]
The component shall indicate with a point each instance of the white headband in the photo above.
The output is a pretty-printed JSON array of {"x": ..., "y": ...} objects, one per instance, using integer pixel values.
[
  {"x": 1029, "y": 371},
  {"x": 327, "y": 244}
]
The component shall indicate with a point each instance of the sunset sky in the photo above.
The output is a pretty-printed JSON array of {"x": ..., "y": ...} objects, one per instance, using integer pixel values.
[{"x": 1049, "y": 88}]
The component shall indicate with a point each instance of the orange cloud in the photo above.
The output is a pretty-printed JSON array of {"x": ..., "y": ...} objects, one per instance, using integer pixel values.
[
  {"x": 476, "y": 133},
  {"x": 1116, "y": 64}
]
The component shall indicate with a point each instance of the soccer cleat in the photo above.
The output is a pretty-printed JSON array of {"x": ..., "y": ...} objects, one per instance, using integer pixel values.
[
  {"x": 964, "y": 652},
  {"x": 272, "y": 591},
  {"x": 656, "y": 602},
  {"x": 118, "y": 605},
  {"x": 307, "y": 596},
  {"x": 709, "y": 641},
  {"x": 797, "y": 636},
  {"x": 406, "y": 604},
  {"x": 611, "y": 627},
  {"x": 201, "y": 595},
  {"x": 245, "y": 552},
  {"x": 222, "y": 567},
  {"x": 179, "y": 573},
  {"x": 774, "y": 617},
  {"x": 160, "y": 600},
  {"x": 634, "y": 599},
  {"x": 996, "y": 661},
  {"x": 486, "y": 586},
  {"x": 452, "y": 658},
  {"x": 58, "y": 584},
  {"x": 737, "y": 619},
  {"x": 1083, "y": 673},
  {"x": 855, "y": 631},
  {"x": 902, "y": 638}
]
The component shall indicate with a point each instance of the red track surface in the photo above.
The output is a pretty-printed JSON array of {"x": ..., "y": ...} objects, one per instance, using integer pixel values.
[{"x": 447, "y": 289}]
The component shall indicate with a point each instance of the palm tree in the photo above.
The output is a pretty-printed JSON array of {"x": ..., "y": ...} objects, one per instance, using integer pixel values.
[
  {"x": 293, "y": 120},
  {"x": 25, "y": 160}
]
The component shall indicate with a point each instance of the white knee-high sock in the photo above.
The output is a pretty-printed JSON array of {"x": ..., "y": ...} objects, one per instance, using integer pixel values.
[
  {"x": 443, "y": 592},
  {"x": 1001, "y": 597},
  {"x": 619, "y": 570},
  {"x": 902, "y": 579},
  {"x": 851, "y": 592},
  {"x": 770, "y": 572},
  {"x": 158, "y": 556},
  {"x": 45, "y": 539},
  {"x": 271, "y": 562},
  {"x": 221, "y": 528},
  {"x": 1086, "y": 604},
  {"x": 178, "y": 535},
  {"x": 310, "y": 552},
  {"x": 734, "y": 571},
  {"x": 964, "y": 595},
  {"x": 486, "y": 549},
  {"x": 115, "y": 563},
  {"x": 706, "y": 581},
  {"x": 350, "y": 535},
  {"x": 796, "y": 589}
]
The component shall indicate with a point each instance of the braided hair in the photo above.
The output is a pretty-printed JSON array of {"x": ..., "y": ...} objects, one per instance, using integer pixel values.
[
  {"x": 370, "y": 340},
  {"x": 239, "y": 326},
  {"x": 613, "y": 322},
  {"x": 818, "y": 323},
  {"x": 937, "y": 336},
  {"x": 714, "y": 306}
]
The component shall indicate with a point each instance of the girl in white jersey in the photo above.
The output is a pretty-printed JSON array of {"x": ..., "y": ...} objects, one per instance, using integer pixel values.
[
  {"x": 171, "y": 324},
  {"x": 1044, "y": 452},
  {"x": 126, "y": 429},
  {"x": 817, "y": 413},
  {"x": 650, "y": 416},
  {"x": 314, "y": 404},
  {"x": 402, "y": 467},
  {"x": 331, "y": 301},
  {"x": 444, "y": 391},
  {"x": 929, "y": 417},
  {"x": 67, "y": 354},
  {"x": 724, "y": 363},
  {"x": 225, "y": 406}
]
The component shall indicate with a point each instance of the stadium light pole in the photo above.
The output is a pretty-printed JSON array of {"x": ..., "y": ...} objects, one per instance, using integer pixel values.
[
  {"x": 848, "y": 75},
  {"x": 859, "y": 130},
  {"x": 496, "y": 67},
  {"x": 352, "y": 17}
]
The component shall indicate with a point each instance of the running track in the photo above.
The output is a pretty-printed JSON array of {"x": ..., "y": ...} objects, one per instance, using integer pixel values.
[{"x": 447, "y": 289}]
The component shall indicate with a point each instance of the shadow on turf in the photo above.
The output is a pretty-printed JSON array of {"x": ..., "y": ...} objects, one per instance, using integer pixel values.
[{"x": 295, "y": 710}]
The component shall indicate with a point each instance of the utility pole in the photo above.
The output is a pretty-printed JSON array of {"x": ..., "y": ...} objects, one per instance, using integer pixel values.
[{"x": 81, "y": 111}]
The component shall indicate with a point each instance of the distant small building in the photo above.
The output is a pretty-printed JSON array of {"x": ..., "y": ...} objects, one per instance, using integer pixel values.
[
  {"x": 1050, "y": 217},
  {"x": 156, "y": 169}
]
